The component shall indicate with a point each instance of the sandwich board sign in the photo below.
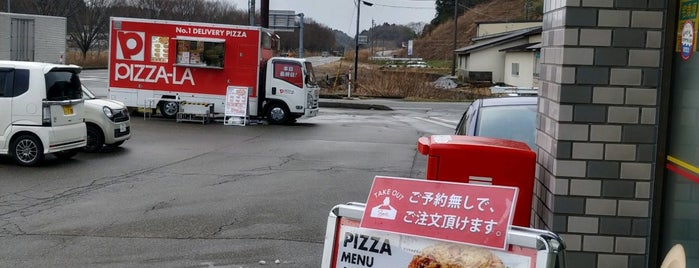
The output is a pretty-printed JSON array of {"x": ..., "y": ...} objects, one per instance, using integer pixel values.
[
  {"x": 348, "y": 244},
  {"x": 236, "y": 111}
]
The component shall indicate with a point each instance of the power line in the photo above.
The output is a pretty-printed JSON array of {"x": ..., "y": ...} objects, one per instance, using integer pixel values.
[{"x": 381, "y": 5}]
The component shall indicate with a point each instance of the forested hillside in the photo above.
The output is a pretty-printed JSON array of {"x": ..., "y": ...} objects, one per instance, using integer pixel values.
[{"x": 438, "y": 43}]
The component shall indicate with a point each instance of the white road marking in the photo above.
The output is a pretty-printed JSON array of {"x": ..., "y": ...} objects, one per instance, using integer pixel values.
[{"x": 436, "y": 122}]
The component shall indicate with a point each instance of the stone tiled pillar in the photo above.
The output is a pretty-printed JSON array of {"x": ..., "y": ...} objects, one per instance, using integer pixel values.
[{"x": 598, "y": 121}]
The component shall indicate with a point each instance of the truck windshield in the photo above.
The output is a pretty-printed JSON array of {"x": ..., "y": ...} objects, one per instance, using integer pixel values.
[{"x": 310, "y": 75}]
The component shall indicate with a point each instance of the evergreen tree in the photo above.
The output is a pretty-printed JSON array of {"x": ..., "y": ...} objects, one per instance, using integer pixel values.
[{"x": 445, "y": 9}]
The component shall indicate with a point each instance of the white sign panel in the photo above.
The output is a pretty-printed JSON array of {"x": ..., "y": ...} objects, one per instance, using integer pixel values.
[
  {"x": 363, "y": 40},
  {"x": 347, "y": 245},
  {"x": 361, "y": 247},
  {"x": 236, "y": 101},
  {"x": 282, "y": 20},
  {"x": 410, "y": 47}
]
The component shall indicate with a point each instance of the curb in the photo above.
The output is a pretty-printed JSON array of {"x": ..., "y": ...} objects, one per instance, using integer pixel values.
[{"x": 352, "y": 105}]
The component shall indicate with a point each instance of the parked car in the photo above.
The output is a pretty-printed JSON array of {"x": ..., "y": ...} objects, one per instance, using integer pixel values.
[
  {"x": 107, "y": 121},
  {"x": 416, "y": 64},
  {"x": 512, "y": 118},
  {"x": 41, "y": 111}
]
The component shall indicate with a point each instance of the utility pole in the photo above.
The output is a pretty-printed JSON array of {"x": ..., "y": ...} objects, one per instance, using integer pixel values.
[
  {"x": 356, "y": 46},
  {"x": 251, "y": 12},
  {"x": 371, "y": 35},
  {"x": 453, "y": 51},
  {"x": 8, "y": 6},
  {"x": 300, "y": 35},
  {"x": 264, "y": 14}
]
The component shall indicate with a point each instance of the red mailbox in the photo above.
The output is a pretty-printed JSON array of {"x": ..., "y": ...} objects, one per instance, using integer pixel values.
[{"x": 472, "y": 159}]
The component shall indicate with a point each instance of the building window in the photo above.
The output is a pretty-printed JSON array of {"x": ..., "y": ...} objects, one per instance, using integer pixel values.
[{"x": 515, "y": 69}]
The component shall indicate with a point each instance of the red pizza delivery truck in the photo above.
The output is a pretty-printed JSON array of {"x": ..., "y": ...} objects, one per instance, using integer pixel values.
[{"x": 158, "y": 64}]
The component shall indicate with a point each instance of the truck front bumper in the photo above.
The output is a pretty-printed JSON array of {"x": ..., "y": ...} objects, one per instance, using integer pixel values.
[{"x": 311, "y": 112}]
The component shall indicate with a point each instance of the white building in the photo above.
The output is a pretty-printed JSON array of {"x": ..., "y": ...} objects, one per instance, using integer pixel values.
[
  {"x": 32, "y": 37},
  {"x": 507, "y": 58}
]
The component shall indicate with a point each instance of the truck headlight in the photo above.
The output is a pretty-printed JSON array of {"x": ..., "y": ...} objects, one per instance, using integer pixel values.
[
  {"x": 309, "y": 101},
  {"x": 108, "y": 112}
]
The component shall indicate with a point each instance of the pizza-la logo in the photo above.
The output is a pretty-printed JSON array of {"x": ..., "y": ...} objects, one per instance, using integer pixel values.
[{"x": 130, "y": 45}]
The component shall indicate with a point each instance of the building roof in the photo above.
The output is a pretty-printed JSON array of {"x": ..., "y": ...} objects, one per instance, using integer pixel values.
[
  {"x": 523, "y": 47},
  {"x": 511, "y": 36}
]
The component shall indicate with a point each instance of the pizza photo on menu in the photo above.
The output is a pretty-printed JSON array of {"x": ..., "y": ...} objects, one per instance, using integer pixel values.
[{"x": 455, "y": 256}]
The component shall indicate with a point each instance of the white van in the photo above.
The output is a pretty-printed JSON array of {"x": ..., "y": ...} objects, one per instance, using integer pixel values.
[{"x": 41, "y": 111}]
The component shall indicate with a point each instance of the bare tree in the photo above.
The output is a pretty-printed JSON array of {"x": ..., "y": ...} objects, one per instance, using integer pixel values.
[
  {"x": 89, "y": 25},
  {"x": 60, "y": 8},
  {"x": 224, "y": 12},
  {"x": 417, "y": 27},
  {"x": 316, "y": 37},
  {"x": 183, "y": 10},
  {"x": 149, "y": 8}
]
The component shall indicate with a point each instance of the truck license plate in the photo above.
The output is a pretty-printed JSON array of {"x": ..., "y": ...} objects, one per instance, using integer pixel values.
[
  {"x": 67, "y": 109},
  {"x": 122, "y": 127}
]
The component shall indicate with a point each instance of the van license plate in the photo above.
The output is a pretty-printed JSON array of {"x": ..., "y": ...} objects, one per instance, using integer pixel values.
[
  {"x": 122, "y": 127},
  {"x": 67, "y": 109}
]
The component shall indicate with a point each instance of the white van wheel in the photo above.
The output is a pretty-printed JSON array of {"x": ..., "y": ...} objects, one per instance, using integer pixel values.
[{"x": 27, "y": 150}]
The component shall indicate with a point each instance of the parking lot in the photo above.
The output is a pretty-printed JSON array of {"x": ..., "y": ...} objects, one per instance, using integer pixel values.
[{"x": 192, "y": 195}]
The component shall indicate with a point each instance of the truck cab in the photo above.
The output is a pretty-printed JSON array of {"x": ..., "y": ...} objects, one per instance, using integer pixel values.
[
  {"x": 290, "y": 90},
  {"x": 41, "y": 111}
]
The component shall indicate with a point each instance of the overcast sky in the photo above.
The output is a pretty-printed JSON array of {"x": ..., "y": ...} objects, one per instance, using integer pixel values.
[{"x": 342, "y": 14}]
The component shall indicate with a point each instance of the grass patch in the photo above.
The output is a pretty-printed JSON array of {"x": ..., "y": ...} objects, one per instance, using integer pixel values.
[
  {"x": 443, "y": 64},
  {"x": 413, "y": 84},
  {"x": 92, "y": 59}
]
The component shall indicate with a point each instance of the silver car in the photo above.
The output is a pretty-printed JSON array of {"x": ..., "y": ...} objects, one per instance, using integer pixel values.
[{"x": 511, "y": 118}]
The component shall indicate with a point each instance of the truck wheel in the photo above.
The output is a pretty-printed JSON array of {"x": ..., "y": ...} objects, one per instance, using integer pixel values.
[
  {"x": 278, "y": 114},
  {"x": 27, "y": 150},
  {"x": 95, "y": 139},
  {"x": 67, "y": 154},
  {"x": 169, "y": 109}
]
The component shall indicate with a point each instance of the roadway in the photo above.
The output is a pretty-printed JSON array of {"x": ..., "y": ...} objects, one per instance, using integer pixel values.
[{"x": 192, "y": 195}]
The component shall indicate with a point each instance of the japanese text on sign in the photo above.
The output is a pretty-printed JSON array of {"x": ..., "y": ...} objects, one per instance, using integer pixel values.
[
  {"x": 450, "y": 221},
  {"x": 688, "y": 10},
  {"x": 457, "y": 212},
  {"x": 289, "y": 72}
]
